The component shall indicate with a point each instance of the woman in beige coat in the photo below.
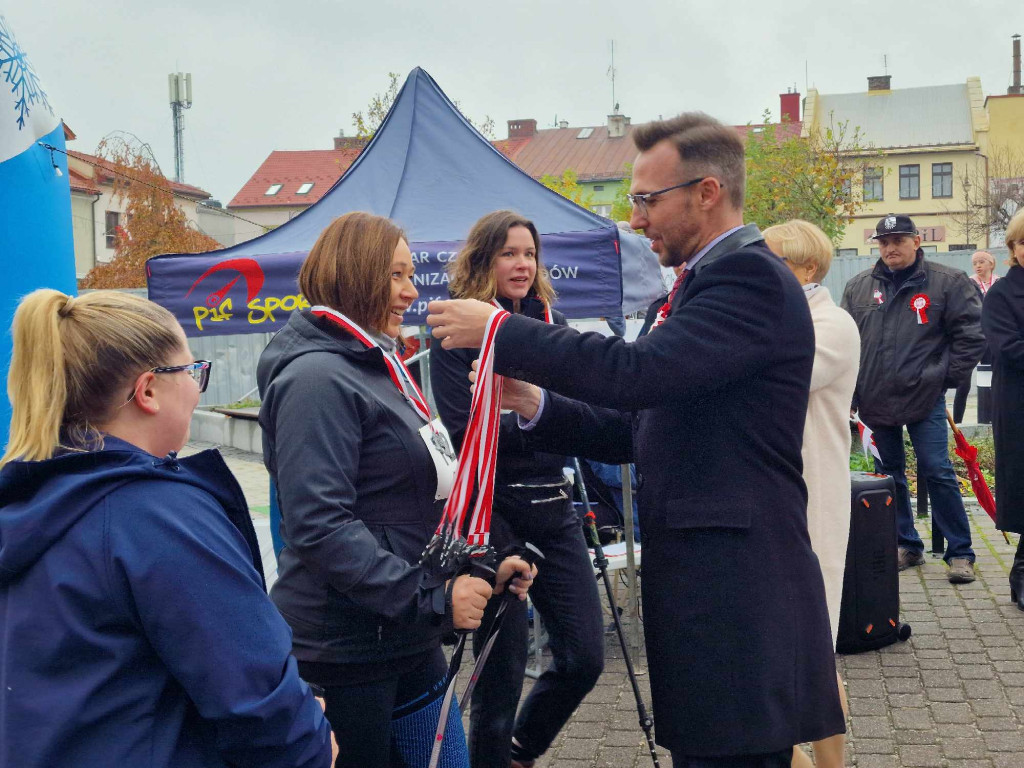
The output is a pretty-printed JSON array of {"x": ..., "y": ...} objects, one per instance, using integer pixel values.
[{"x": 826, "y": 452}]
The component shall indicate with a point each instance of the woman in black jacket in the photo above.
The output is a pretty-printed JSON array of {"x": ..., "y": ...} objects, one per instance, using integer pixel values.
[
  {"x": 1002, "y": 319},
  {"x": 500, "y": 263},
  {"x": 348, "y": 441}
]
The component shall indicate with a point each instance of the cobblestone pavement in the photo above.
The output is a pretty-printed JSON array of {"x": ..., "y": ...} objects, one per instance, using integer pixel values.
[{"x": 950, "y": 697}]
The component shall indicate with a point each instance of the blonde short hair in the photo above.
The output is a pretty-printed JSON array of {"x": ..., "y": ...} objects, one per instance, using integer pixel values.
[
  {"x": 73, "y": 363},
  {"x": 801, "y": 243},
  {"x": 1015, "y": 234}
]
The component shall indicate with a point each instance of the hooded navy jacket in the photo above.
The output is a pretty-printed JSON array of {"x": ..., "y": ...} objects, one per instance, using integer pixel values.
[{"x": 135, "y": 629}]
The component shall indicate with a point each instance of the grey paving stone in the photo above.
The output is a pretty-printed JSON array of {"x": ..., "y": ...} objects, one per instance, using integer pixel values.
[
  {"x": 963, "y": 748},
  {"x": 952, "y": 713},
  {"x": 912, "y": 719},
  {"x": 927, "y": 756}
]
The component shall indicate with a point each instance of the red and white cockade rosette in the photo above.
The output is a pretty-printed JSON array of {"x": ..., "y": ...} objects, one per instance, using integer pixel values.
[
  {"x": 920, "y": 304},
  {"x": 479, "y": 452}
]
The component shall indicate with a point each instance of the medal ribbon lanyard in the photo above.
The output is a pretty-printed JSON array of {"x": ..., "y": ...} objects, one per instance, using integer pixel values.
[
  {"x": 399, "y": 374},
  {"x": 479, "y": 452},
  {"x": 547, "y": 309}
]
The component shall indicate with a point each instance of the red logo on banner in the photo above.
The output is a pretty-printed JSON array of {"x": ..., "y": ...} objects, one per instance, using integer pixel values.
[{"x": 246, "y": 268}]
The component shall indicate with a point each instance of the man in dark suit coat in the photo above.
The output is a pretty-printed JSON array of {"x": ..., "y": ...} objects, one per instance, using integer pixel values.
[{"x": 710, "y": 405}]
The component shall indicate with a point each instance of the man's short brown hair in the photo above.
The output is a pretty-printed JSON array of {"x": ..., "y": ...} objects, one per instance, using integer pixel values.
[
  {"x": 705, "y": 145},
  {"x": 349, "y": 268}
]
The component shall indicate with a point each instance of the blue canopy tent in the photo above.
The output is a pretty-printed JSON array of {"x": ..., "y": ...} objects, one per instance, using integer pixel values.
[{"x": 428, "y": 169}]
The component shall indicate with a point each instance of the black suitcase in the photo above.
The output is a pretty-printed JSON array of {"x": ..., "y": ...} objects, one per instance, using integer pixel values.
[{"x": 869, "y": 616}]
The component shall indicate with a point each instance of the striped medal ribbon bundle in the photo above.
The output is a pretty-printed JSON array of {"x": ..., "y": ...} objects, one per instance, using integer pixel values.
[{"x": 477, "y": 459}]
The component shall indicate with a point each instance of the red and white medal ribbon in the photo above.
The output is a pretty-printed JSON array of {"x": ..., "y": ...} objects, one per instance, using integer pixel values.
[
  {"x": 479, "y": 452},
  {"x": 919, "y": 304},
  {"x": 878, "y": 296},
  {"x": 547, "y": 309},
  {"x": 400, "y": 375}
]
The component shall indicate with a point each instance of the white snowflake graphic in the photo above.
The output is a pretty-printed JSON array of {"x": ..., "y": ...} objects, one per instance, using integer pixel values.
[{"x": 17, "y": 70}]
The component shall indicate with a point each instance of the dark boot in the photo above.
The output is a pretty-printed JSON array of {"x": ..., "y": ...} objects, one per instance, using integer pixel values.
[{"x": 1017, "y": 576}]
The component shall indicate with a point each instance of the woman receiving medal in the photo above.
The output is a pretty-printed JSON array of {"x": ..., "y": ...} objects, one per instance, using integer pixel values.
[
  {"x": 500, "y": 263},
  {"x": 362, "y": 472}
]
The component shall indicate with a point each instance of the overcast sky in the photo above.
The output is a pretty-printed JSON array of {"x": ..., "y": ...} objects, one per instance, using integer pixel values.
[{"x": 287, "y": 75}]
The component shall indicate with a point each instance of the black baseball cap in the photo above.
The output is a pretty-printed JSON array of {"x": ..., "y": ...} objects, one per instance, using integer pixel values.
[{"x": 894, "y": 224}]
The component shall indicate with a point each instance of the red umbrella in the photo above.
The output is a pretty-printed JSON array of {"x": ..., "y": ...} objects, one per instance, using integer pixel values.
[{"x": 969, "y": 454}]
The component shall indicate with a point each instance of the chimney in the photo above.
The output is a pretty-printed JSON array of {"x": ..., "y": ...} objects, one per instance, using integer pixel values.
[
  {"x": 1016, "y": 87},
  {"x": 789, "y": 107},
  {"x": 341, "y": 141},
  {"x": 880, "y": 83},
  {"x": 563, "y": 124},
  {"x": 618, "y": 125},
  {"x": 522, "y": 129}
]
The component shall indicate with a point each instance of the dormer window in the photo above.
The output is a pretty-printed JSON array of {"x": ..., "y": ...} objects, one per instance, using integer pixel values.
[
  {"x": 273, "y": 189},
  {"x": 304, "y": 189}
]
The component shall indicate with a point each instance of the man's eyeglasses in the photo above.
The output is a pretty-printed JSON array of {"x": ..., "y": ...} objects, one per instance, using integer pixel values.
[{"x": 640, "y": 201}]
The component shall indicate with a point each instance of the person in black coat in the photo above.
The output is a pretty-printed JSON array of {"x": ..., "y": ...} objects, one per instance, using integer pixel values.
[
  {"x": 711, "y": 406},
  {"x": 501, "y": 262},
  {"x": 1002, "y": 320}
]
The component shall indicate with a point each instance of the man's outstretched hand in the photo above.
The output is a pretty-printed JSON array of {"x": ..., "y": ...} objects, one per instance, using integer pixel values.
[{"x": 459, "y": 323}]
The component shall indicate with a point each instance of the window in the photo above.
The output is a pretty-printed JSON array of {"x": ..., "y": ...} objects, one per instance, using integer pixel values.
[
  {"x": 846, "y": 190},
  {"x": 846, "y": 252},
  {"x": 875, "y": 252},
  {"x": 873, "y": 189},
  {"x": 584, "y": 133},
  {"x": 599, "y": 187},
  {"x": 304, "y": 189},
  {"x": 603, "y": 210},
  {"x": 273, "y": 189},
  {"x": 942, "y": 179},
  {"x": 963, "y": 247},
  {"x": 930, "y": 248},
  {"x": 910, "y": 182},
  {"x": 112, "y": 221}
]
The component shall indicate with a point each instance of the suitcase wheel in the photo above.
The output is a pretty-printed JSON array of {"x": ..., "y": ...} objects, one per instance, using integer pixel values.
[{"x": 903, "y": 632}]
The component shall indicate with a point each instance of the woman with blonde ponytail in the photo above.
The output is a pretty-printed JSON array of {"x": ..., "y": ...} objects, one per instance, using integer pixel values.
[{"x": 137, "y": 629}]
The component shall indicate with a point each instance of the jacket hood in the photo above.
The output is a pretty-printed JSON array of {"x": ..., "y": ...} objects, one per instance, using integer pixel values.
[{"x": 40, "y": 501}]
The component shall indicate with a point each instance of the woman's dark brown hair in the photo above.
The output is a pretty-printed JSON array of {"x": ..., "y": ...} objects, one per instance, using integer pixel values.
[
  {"x": 349, "y": 268},
  {"x": 472, "y": 272}
]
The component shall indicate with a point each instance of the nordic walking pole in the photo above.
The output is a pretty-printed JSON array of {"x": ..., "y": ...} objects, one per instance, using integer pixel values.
[
  {"x": 601, "y": 563},
  {"x": 484, "y": 572},
  {"x": 531, "y": 555}
]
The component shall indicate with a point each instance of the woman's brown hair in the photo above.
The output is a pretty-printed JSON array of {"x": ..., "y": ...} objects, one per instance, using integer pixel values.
[
  {"x": 73, "y": 363},
  {"x": 472, "y": 272},
  {"x": 349, "y": 268}
]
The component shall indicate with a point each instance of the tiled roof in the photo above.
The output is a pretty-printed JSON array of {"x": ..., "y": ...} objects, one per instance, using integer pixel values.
[
  {"x": 80, "y": 183},
  {"x": 594, "y": 158},
  {"x": 104, "y": 175},
  {"x": 783, "y": 131},
  {"x": 597, "y": 157},
  {"x": 932, "y": 116},
  {"x": 320, "y": 167}
]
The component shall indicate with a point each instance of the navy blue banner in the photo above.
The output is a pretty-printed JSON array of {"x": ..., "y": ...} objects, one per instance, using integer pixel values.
[{"x": 213, "y": 295}]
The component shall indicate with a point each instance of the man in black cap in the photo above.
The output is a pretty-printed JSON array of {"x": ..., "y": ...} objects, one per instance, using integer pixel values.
[{"x": 920, "y": 329}]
